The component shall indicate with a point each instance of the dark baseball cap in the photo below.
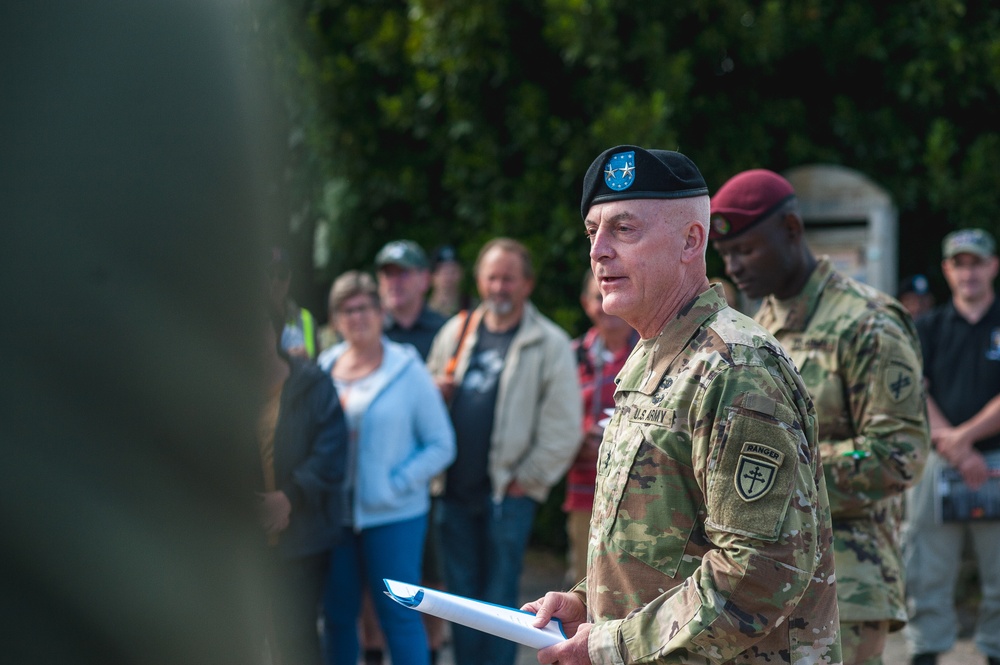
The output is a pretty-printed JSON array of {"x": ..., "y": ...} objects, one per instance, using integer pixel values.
[
  {"x": 745, "y": 199},
  {"x": 914, "y": 284},
  {"x": 444, "y": 254},
  {"x": 404, "y": 253},
  {"x": 630, "y": 172},
  {"x": 968, "y": 241}
]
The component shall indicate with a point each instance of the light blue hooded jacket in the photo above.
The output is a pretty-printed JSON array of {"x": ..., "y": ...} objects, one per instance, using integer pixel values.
[{"x": 404, "y": 439}]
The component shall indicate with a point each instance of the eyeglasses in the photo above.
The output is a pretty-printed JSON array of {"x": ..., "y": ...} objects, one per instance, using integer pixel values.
[{"x": 357, "y": 309}]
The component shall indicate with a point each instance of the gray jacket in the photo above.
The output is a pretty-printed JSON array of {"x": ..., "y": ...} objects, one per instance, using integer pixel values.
[{"x": 537, "y": 425}]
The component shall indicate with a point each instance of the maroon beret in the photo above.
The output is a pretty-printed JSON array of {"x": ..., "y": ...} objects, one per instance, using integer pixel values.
[{"x": 745, "y": 199}]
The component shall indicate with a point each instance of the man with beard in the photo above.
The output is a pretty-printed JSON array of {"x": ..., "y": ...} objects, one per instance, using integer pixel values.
[{"x": 510, "y": 376}]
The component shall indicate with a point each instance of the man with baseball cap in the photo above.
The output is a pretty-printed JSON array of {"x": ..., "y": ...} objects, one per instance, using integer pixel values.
[
  {"x": 711, "y": 535},
  {"x": 960, "y": 341},
  {"x": 446, "y": 295},
  {"x": 859, "y": 357},
  {"x": 914, "y": 293},
  {"x": 403, "y": 280}
]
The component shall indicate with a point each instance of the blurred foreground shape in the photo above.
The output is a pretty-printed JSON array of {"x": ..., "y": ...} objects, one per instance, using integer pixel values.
[{"x": 131, "y": 170}]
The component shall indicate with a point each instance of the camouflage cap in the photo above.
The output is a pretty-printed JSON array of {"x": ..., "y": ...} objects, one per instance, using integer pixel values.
[
  {"x": 405, "y": 253},
  {"x": 968, "y": 241},
  {"x": 630, "y": 172}
]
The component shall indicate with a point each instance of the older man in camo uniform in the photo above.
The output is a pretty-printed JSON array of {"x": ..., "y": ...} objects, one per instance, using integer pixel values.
[
  {"x": 711, "y": 537},
  {"x": 859, "y": 355}
]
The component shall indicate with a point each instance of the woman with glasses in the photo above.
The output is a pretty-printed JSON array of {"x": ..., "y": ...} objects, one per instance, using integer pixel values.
[{"x": 400, "y": 438}]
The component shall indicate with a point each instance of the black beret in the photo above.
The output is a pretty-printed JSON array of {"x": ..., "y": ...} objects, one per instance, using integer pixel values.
[{"x": 630, "y": 172}]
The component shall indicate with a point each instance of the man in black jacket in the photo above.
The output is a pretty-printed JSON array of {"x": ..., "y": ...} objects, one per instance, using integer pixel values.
[{"x": 303, "y": 450}]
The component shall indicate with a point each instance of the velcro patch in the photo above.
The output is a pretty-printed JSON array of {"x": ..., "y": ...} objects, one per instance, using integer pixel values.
[{"x": 749, "y": 472}]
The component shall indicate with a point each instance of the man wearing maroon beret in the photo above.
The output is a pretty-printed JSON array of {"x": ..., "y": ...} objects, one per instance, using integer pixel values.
[{"x": 859, "y": 356}]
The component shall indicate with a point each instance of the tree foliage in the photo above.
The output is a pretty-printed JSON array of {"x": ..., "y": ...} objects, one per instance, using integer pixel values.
[{"x": 454, "y": 121}]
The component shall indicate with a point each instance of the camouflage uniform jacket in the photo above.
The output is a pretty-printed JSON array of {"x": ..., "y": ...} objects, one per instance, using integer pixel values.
[
  {"x": 859, "y": 356},
  {"x": 710, "y": 539}
]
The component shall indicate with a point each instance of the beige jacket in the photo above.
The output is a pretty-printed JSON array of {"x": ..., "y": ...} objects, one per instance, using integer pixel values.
[{"x": 536, "y": 429}]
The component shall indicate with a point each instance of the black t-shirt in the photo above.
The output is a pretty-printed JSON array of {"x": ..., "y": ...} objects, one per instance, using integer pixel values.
[
  {"x": 472, "y": 412},
  {"x": 962, "y": 363}
]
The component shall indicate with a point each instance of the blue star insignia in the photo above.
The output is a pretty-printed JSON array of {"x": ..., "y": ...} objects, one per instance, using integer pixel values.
[{"x": 619, "y": 174}]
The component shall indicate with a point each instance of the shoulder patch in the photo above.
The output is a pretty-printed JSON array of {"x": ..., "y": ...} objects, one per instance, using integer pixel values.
[
  {"x": 756, "y": 470},
  {"x": 748, "y": 471},
  {"x": 899, "y": 380}
]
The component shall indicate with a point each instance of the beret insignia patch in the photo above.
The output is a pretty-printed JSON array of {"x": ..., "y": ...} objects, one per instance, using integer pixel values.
[
  {"x": 720, "y": 224},
  {"x": 619, "y": 174}
]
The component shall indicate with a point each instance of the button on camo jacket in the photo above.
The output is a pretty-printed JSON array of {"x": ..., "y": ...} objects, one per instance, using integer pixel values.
[
  {"x": 859, "y": 356},
  {"x": 710, "y": 539}
]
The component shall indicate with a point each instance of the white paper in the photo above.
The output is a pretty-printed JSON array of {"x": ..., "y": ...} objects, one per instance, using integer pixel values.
[{"x": 505, "y": 622}]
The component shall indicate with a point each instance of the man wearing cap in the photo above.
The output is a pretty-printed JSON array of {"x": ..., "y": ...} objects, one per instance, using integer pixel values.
[
  {"x": 710, "y": 539},
  {"x": 403, "y": 279},
  {"x": 961, "y": 346},
  {"x": 914, "y": 293},
  {"x": 446, "y": 282},
  {"x": 858, "y": 353}
]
